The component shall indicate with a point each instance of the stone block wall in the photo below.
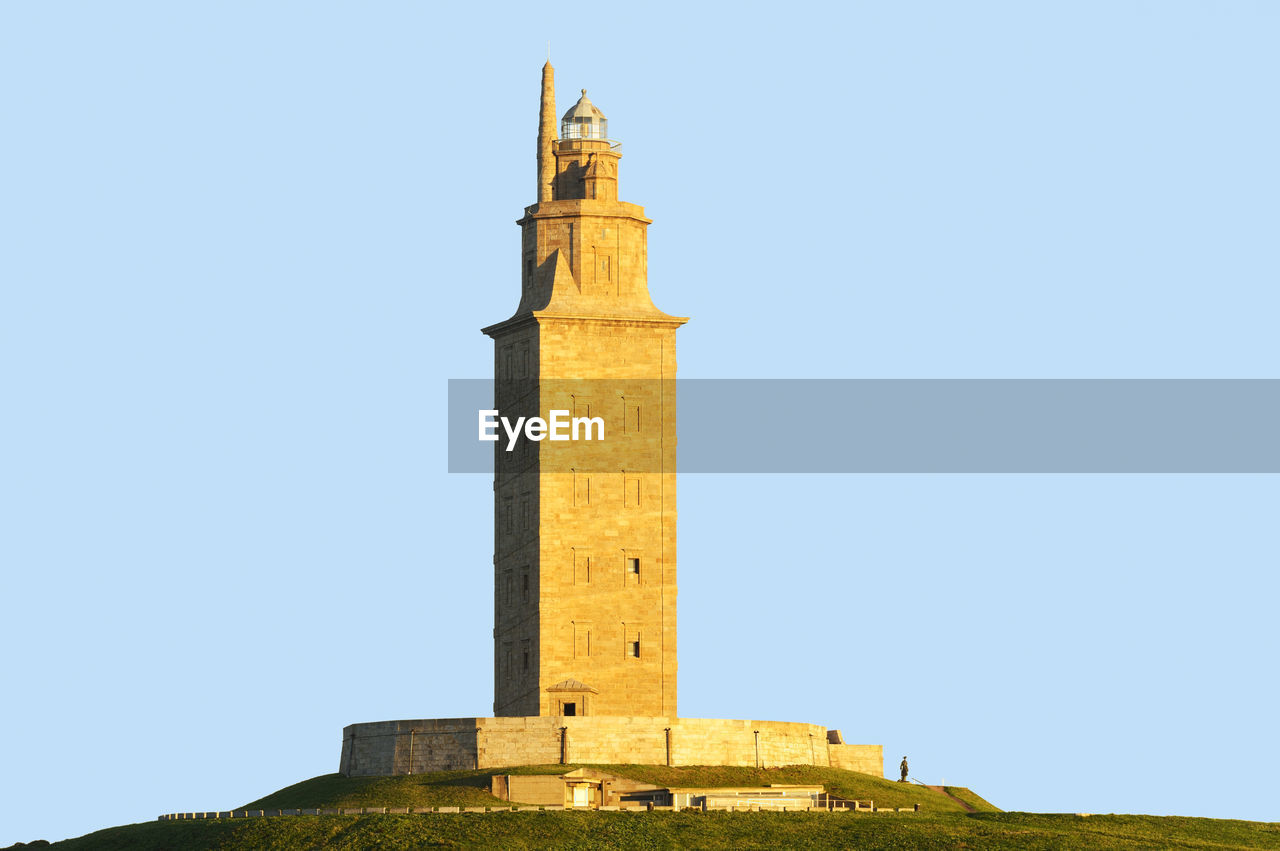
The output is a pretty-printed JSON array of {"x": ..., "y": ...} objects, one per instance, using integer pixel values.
[
  {"x": 869, "y": 759},
  {"x": 416, "y": 746},
  {"x": 542, "y": 790},
  {"x": 409, "y": 747}
]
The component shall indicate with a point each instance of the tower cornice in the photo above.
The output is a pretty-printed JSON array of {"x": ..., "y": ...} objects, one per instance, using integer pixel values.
[
  {"x": 537, "y": 317},
  {"x": 575, "y": 207}
]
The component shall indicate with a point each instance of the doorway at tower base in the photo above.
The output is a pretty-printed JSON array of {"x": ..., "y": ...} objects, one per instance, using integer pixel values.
[{"x": 413, "y": 746}]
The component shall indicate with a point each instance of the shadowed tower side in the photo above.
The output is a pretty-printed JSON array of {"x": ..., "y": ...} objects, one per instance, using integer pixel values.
[{"x": 585, "y": 533}]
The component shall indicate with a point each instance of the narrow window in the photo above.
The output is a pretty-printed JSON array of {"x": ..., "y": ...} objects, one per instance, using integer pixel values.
[
  {"x": 524, "y": 585},
  {"x": 631, "y": 635},
  {"x": 633, "y": 567}
]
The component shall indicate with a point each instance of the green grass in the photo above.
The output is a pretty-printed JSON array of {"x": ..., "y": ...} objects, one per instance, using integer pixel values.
[
  {"x": 330, "y": 791},
  {"x": 521, "y": 830},
  {"x": 941, "y": 823},
  {"x": 973, "y": 799}
]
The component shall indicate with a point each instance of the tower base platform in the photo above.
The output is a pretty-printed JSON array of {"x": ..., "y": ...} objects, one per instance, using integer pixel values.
[{"x": 441, "y": 744}]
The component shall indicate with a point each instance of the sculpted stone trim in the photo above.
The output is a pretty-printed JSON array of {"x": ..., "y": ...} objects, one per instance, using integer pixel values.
[{"x": 572, "y": 685}]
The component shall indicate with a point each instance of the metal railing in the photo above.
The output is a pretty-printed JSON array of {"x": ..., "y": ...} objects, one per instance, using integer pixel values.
[{"x": 614, "y": 144}]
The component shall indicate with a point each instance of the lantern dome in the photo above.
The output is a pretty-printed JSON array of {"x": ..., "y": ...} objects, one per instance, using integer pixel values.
[{"x": 584, "y": 120}]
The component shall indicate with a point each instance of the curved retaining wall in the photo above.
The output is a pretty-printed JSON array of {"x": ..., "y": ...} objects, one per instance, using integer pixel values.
[{"x": 440, "y": 744}]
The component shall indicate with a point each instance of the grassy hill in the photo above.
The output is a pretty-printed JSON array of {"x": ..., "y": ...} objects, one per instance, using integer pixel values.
[
  {"x": 942, "y": 823},
  {"x": 521, "y": 830}
]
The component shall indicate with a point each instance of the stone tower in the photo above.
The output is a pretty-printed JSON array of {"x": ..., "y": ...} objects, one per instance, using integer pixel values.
[{"x": 585, "y": 531}]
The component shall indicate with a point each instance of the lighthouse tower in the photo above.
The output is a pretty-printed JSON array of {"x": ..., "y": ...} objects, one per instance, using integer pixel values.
[
  {"x": 585, "y": 531},
  {"x": 584, "y": 535}
]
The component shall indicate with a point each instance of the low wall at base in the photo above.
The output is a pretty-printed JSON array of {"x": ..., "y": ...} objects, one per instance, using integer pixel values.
[
  {"x": 869, "y": 759},
  {"x": 441, "y": 744}
]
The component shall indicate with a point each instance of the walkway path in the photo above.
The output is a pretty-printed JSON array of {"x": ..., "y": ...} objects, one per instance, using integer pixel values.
[{"x": 943, "y": 790}]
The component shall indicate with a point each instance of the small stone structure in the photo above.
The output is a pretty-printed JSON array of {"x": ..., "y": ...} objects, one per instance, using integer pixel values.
[
  {"x": 787, "y": 798},
  {"x": 580, "y": 788},
  {"x": 585, "y": 788}
]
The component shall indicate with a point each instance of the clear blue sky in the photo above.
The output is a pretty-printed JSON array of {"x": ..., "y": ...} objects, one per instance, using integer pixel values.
[{"x": 243, "y": 246}]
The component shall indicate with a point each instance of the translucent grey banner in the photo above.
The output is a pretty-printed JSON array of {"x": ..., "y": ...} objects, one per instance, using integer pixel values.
[{"x": 874, "y": 426}]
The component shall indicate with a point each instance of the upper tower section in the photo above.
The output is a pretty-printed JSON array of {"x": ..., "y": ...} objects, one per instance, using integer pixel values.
[
  {"x": 584, "y": 252},
  {"x": 586, "y": 158}
]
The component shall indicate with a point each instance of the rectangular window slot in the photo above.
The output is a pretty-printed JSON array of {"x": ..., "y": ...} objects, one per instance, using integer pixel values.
[{"x": 631, "y": 636}]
